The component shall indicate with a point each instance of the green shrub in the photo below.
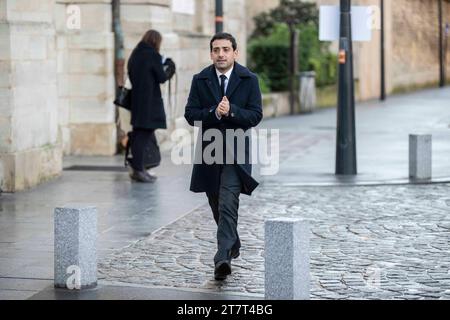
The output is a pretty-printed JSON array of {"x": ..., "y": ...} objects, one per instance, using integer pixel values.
[
  {"x": 264, "y": 83},
  {"x": 269, "y": 55},
  {"x": 314, "y": 55}
]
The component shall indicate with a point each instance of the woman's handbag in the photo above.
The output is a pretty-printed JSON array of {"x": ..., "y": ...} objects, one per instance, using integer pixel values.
[
  {"x": 123, "y": 98},
  {"x": 152, "y": 154}
]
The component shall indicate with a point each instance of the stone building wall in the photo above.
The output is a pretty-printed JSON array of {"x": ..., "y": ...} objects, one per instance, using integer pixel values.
[
  {"x": 57, "y": 76},
  {"x": 187, "y": 27},
  {"x": 254, "y": 8},
  {"x": 29, "y": 148},
  {"x": 411, "y": 47},
  {"x": 86, "y": 67},
  {"x": 57, "y": 81},
  {"x": 415, "y": 43},
  {"x": 86, "y": 77}
]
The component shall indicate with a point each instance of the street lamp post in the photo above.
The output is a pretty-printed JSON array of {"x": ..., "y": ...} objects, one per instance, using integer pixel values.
[
  {"x": 293, "y": 65},
  {"x": 119, "y": 51},
  {"x": 219, "y": 16},
  {"x": 345, "y": 137},
  {"x": 447, "y": 31},
  {"x": 382, "y": 48},
  {"x": 441, "y": 49},
  {"x": 119, "y": 62}
]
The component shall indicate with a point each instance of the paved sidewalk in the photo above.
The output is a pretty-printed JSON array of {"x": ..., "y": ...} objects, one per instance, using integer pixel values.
[
  {"x": 373, "y": 236},
  {"x": 383, "y": 242},
  {"x": 382, "y": 139},
  {"x": 127, "y": 212}
]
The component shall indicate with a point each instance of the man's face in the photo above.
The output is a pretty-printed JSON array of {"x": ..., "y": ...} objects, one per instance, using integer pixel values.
[{"x": 223, "y": 55}]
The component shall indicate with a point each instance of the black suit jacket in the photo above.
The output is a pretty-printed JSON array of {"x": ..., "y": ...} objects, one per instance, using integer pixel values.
[{"x": 245, "y": 112}]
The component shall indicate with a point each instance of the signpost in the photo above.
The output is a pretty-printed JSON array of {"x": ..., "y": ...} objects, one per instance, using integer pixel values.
[
  {"x": 447, "y": 32},
  {"x": 441, "y": 49},
  {"x": 219, "y": 16},
  {"x": 382, "y": 55},
  {"x": 345, "y": 138},
  {"x": 336, "y": 24}
]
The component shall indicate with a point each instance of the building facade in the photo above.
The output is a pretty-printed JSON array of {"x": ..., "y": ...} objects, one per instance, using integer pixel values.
[
  {"x": 57, "y": 68},
  {"x": 57, "y": 74},
  {"x": 411, "y": 46}
]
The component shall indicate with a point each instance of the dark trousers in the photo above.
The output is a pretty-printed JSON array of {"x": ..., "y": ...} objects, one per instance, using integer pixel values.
[
  {"x": 225, "y": 207},
  {"x": 140, "y": 142}
]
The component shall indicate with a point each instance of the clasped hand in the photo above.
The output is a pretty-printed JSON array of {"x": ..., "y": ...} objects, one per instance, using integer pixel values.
[{"x": 224, "y": 107}]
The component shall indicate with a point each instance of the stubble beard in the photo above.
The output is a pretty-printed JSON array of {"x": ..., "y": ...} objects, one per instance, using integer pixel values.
[{"x": 223, "y": 69}]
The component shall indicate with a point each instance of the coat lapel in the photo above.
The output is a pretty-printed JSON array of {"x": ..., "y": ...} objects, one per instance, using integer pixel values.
[
  {"x": 235, "y": 79},
  {"x": 210, "y": 76},
  {"x": 211, "y": 82}
]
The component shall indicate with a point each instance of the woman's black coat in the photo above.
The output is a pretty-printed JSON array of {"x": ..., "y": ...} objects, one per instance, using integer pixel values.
[{"x": 146, "y": 73}]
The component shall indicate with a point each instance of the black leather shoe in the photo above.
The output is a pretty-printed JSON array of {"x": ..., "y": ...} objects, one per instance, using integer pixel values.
[
  {"x": 234, "y": 253},
  {"x": 222, "y": 269},
  {"x": 141, "y": 176},
  {"x": 152, "y": 175}
]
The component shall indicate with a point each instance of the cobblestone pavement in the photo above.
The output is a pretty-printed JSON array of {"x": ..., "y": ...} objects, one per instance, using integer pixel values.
[{"x": 377, "y": 242}]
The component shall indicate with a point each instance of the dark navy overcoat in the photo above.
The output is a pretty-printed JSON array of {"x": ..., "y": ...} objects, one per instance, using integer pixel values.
[{"x": 244, "y": 95}]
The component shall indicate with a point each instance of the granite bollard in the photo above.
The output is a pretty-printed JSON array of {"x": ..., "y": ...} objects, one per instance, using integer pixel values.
[
  {"x": 287, "y": 270},
  {"x": 420, "y": 156},
  {"x": 75, "y": 247},
  {"x": 307, "y": 96}
]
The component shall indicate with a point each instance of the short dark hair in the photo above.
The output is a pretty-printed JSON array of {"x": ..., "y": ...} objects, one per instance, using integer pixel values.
[{"x": 223, "y": 36}]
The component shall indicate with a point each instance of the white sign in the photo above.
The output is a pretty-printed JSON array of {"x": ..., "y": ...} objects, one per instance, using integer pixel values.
[
  {"x": 329, "y": 23},
  {"x": 183, "y": 6},
  {"x": 362, "y": 22}
]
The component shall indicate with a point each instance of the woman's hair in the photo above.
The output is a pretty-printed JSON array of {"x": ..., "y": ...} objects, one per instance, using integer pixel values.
[{"x": 153, "y": 38}]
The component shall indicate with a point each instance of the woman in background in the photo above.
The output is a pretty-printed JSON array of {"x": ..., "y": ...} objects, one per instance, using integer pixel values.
[{"x": 146, "y": 71}]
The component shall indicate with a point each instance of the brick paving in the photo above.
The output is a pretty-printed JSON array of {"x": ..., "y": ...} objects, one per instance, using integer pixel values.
[{"x": 367, "y": 242}]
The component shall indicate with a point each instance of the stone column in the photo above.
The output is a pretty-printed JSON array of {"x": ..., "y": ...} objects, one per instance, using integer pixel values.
[
  {"x": 29, "y": 148},
  {"x": 85, "y": 46}
]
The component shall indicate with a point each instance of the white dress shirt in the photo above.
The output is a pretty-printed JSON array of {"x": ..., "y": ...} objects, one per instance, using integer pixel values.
[{"x": 227, "y": 74}]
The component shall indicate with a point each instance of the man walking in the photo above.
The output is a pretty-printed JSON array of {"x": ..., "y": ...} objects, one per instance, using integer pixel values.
[{"x": 224, "y": 96}]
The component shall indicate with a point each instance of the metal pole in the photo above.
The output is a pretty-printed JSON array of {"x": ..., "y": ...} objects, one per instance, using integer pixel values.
[
  {"x": 447, "y": 30},
  {"x": 119, "y": 51},
  {"x": 293, "y": 66},
  {"x": 119, "y": 62},
  {"x": 441, "y": 51},
  {"x": 219, "y": 16},
  {"x": 383, "y": 66},
  {"x": 345, "y": 137}
]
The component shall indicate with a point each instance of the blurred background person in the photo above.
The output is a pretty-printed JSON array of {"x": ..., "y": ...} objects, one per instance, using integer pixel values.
[{"x": 147, "y": 70}]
